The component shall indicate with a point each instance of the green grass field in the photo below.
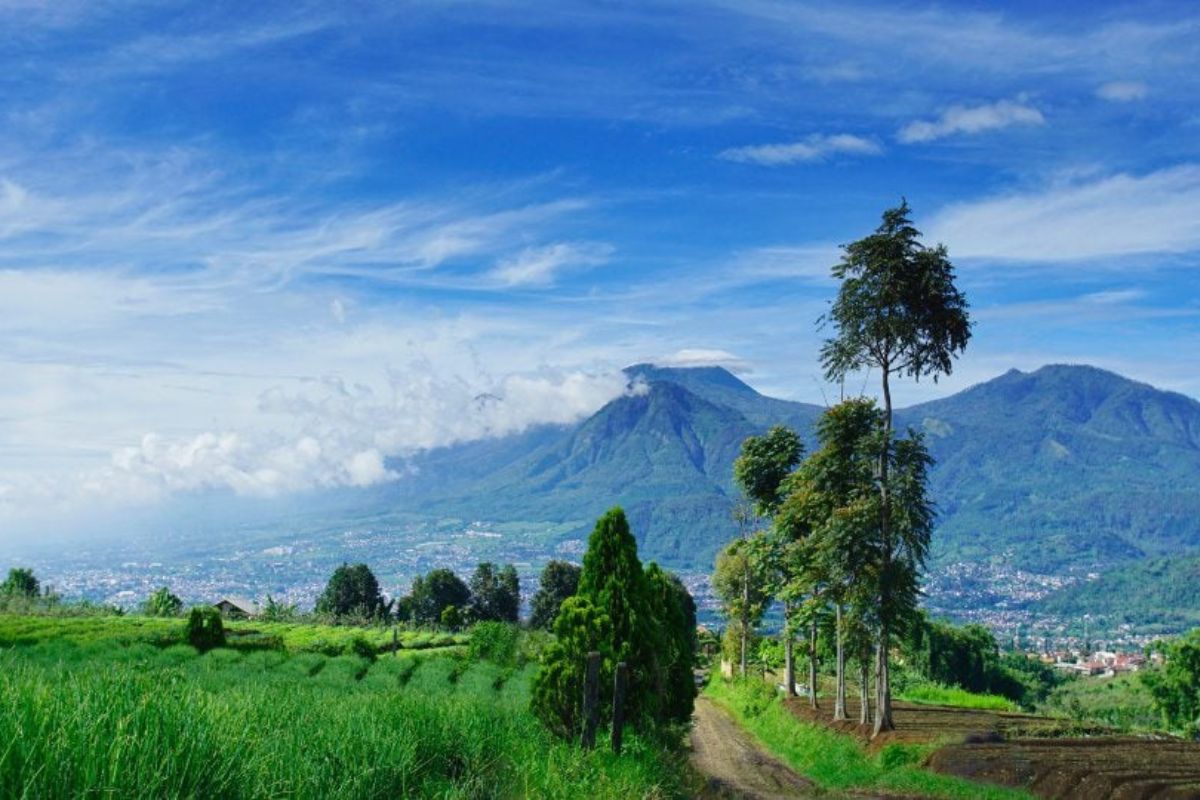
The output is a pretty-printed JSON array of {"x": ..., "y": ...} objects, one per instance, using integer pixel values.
[
  {"x": 85, "y": 714},
  {"x": 294, "y": 637},
  {"x": 1122, "y": 702},
  {"x": 835, "y": 761}
]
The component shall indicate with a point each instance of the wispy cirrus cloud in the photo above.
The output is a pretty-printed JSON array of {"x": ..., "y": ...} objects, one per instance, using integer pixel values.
[
  {"x": 1100, "y": 218},
  {"x": 541, "y": 265},
  {"x": 960, "y": 119},
  {"x": 813, "y": 148}
]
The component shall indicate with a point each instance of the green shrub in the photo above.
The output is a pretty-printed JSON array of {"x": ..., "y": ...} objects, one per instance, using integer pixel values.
[
  {"x": 204, "y": 629},
  {"x": 495, "y": 642}
]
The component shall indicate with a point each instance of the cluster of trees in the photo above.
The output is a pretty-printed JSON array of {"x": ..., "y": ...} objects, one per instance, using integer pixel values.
[
  {"x": 969, "y": 657},
  {"x": 437, "y": 598},
  {"x": 848, "y": 527},
  {"x": 638, "y": 615}
]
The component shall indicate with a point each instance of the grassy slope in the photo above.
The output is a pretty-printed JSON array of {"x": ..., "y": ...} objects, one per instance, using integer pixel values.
[
  {"x": 834, "y": 760},
  {"x": 102, "y": 717},
  {"x": 1121, "y": 702},
  {"x": 939, "y": 695}
]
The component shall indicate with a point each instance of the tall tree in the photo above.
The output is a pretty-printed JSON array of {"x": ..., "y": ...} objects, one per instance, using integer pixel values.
[
  {"x": 495, "y": 594},
  {"x": 897, "y": 311},
  {"x": 20, "y": 582},
  {"x": 559, "y": 580},
  {"x": 741, "y": 585},
  {"x": 353, "y": 591},
  {"x": 613, "y": 581},
  {"x": 676, "y": 649},
  {"x": 760, "y": 471},
  {"x": 843, "y": 503},
  {"x": 433, "y": 594}
]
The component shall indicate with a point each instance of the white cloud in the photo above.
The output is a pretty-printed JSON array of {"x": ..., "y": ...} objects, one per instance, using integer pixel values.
[
  {"x": 814, "y": 148},
  {"x": 1118, "y": 215},
  {"x": 1122, "y": 91},
  {"x": 702, "y": 357},
  {"x": 972, "y": 120},
  {"x": 539, "y": 266}
]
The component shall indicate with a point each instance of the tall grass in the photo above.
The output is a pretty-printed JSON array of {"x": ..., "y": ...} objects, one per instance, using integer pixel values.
[
  {"x": 837, "y": 761},
  {"x": 103, "y": 718},
  {"x": 937, "y": 694}
]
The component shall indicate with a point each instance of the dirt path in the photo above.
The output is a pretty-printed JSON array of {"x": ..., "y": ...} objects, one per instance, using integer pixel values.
[{"x": 734, "y": 765}]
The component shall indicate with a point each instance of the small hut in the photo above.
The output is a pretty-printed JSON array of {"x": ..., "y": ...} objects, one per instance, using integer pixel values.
[{"x": 236, "y": 608}]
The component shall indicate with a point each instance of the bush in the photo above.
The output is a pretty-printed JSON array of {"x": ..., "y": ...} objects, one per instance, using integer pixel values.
[
  {"x": 204, "y": 629},
  {"x": 495, "y": 642},
  {"x": 363, "y": 649}
]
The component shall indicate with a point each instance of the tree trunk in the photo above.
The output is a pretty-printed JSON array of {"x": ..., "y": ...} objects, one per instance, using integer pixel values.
[
  {"x": 789, "y": 651},
  {"x": 864, "y": 691},
  {"x": 812, "y": 664},
  {"x": 883, "y": 695},
  {"x": 745, "y": 611},
  {"x": 839, "y": 699}
]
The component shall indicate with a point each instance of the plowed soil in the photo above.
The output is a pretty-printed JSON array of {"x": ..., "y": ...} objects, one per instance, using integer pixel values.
[{"x": 1050, "y": 758}]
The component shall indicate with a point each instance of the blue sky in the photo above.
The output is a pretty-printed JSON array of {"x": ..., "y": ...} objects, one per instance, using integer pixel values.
[{"x": 267, "y": 247}]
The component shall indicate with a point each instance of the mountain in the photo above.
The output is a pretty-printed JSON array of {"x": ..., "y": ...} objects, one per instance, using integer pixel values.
[{"x": 1065, "y": 468}]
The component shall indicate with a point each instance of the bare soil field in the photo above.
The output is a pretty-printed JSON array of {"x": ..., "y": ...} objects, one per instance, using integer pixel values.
[
  {"x": 924, "y": 724},
  {"x": 1120, "y": 768},
  {"x": 1050, "y": 758}
]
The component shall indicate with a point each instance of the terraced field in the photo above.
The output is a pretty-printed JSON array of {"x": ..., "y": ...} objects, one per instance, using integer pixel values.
[
  {"x": 1045, "y": 756},
  {"x": 1109, "y": 768}
]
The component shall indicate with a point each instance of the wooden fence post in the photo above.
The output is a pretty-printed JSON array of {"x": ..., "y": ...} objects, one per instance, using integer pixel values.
[
  {"x": 395, "y": 643},
  {"x": 591, "y": 706},
  {"x": 620, "y": 683}
]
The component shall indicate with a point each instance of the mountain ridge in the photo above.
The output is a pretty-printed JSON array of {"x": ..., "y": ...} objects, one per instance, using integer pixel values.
[{"x": 1056, "y": 469}]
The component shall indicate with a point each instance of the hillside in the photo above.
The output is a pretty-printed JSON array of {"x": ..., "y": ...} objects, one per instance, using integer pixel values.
[
  {"x": 1064, "y": 468},
  {"x": 1163, "y": 592}
]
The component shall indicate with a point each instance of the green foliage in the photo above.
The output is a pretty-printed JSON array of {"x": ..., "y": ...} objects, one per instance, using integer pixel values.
[
  {"x": 20, "y": 582},
  {"x": 143, "y": 722},
  {"x": 559, "y": 580},
  {"x": 1175, "y": 686},
  {"x": 897, "y": 308},
  {"x": 612, "y": 581},
  {"x": 938, "y": 694},
  {"x": 274, "y": 611},
  {"x": 352, "y": 591},
  {"x": 161, "y": 603},
  {"x": 557, "y": 696},
  {"x": 675, "y": 652},
  {"x": 764, "y": 464},
  {"x": 1122, "y": 702},
  {"x": 740, "y": 582},
  {"x": 496, "y": 642},
  {"x": 495, "y": 594},
  {"x": 452, "y": 618},
  {"x": 204, "y": 628},
  {"x": 432, "y": 593}
]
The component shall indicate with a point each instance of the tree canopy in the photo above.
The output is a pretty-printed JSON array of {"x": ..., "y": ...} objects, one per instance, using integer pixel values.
[
  {"x": 495, "y": 594},
  {"x": 162, "y": 603},
  {"x": 20, "y": 582},
  {"x": 433, "y": 593},
  {"x": 559, "y": 580},
  {"x": 353, "y": 591}
]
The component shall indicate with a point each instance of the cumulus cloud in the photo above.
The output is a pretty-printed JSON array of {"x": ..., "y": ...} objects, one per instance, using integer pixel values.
[
  {"x": 1112, "y": 216},
  {"x": 1122, "y": 91},
  {"x": 814, "y": 148},
  {"x": 971, "y": 120},
  {"x": 539, "y": 266}
]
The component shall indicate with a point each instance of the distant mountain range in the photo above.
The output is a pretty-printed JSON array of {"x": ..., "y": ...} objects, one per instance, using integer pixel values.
[{"x": 1064, "y": 469}]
